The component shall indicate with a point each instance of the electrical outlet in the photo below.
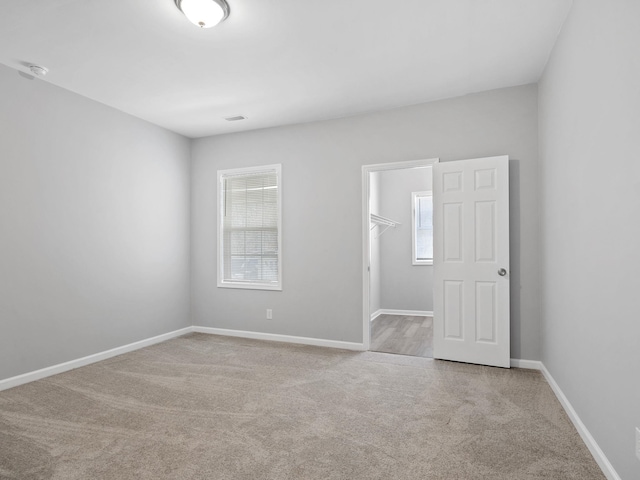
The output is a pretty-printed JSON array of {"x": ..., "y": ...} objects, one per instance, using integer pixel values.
[
  {"x": 269, "y": 314},
  {"x": 638, "y": 443}
]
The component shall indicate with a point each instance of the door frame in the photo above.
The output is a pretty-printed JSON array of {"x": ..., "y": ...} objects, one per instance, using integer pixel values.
[{"x": 366, "y": 233}]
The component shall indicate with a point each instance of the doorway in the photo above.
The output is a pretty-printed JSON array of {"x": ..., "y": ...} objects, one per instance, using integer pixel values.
[{"x": 398, "y": 258}]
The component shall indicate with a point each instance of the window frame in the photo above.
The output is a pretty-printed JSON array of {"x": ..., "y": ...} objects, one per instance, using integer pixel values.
[
  {"x": 221, "y": 176},
  {"x": 414, "y": 229}
]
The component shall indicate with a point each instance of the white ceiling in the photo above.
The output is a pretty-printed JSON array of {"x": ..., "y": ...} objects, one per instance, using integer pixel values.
[{"x": 278, "y": 61}]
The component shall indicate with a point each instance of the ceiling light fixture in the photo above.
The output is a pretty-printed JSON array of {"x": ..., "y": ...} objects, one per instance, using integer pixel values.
[{"x": 204, "y": 13}]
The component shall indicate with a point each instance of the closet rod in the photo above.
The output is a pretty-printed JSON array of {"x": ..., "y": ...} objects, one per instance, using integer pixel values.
[{"x": 378, "y": 220}]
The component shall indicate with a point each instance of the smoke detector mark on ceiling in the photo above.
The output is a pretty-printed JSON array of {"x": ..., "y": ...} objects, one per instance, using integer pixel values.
[
  {"x": 235, "y": 118},
  {"x": 38, "y": 70}
]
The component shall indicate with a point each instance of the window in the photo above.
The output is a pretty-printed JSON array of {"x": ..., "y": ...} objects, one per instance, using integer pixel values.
[
  {"x": 249, "y": 231},
  {"x": 422, "y": 228}
]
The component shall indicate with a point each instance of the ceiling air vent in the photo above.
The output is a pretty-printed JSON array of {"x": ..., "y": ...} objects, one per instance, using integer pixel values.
[{"x": 235, "y": 118}]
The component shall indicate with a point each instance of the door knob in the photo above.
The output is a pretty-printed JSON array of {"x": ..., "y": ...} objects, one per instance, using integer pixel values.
[{"x": 502, "y": 272}]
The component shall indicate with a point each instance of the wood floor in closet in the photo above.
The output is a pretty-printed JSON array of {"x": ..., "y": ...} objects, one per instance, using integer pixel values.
[{"x": 402, "y": 335}]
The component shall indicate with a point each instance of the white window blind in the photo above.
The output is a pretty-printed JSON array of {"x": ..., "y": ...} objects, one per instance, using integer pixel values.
[
  {"x": 250, "y": 228},
  {"x": 423, "y": 228}
]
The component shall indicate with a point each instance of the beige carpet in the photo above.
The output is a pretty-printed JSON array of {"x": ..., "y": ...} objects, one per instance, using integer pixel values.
[{"x": 208, "y": 407}]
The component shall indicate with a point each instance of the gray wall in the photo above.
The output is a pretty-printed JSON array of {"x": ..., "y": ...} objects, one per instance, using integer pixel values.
[
  {"x": 322, "y": 208},
  {"x": 403, "y": 286},
  {"x": 374, "y": 273},
  {"x": 94, "y": 226},
  {"x": 590, "y": 206}
]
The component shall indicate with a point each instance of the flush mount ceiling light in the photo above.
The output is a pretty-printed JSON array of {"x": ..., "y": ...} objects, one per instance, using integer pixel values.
[{"x": 204, "y": 13}]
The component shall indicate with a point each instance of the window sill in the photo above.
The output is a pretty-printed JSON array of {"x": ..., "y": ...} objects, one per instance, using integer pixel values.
[
  {"x": 250, "y": 286},
  {"x": 424, "y": 262}
]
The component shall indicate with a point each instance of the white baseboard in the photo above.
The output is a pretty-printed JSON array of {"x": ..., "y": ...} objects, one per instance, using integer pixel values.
[
  {"x": 318, "y": 342},
  {"x": 407, "y": 313},
  {"x": 81, "y": 362},
  {"x": 529, "y": 364},
  {"x": 587, "y": 438}
]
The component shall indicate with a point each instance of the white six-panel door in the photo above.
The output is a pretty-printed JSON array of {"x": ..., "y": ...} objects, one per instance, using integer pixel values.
[{"x": 471, "y": 261}]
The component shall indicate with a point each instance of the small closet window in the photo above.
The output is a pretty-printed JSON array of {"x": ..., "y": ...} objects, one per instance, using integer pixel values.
[{"x": 422, "y": 232}]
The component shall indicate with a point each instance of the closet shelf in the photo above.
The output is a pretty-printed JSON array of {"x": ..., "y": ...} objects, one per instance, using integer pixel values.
[{"x": 379, "y": 220}]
